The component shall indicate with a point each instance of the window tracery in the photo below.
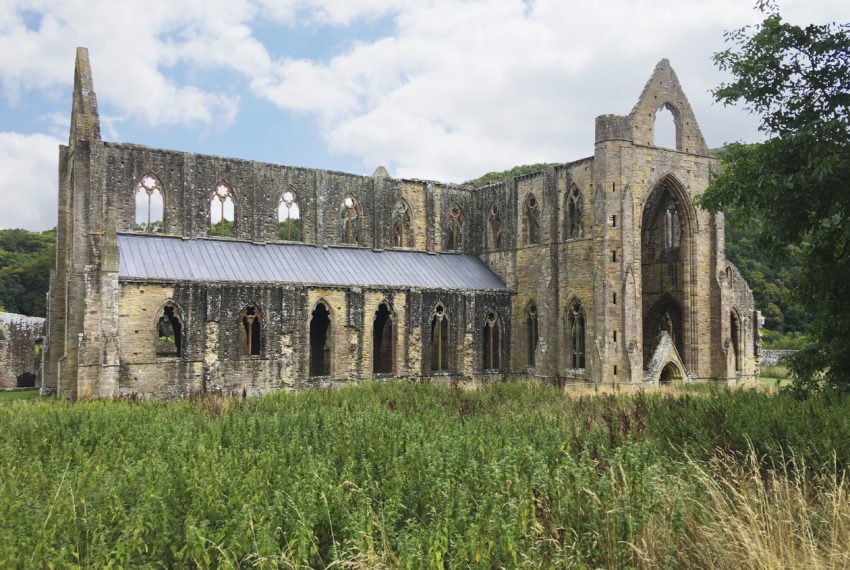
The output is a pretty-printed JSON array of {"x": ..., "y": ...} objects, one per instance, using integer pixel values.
[
  {"x": 148, "y": 196},
  {"x": 222, "y": 210},
  {"x": 402, "y": 234},
  {"x": 350, "y": 214},
  {"x": 251, "y": 331},
  {"x": 289, "y": 217},
  {"x": 169, "y": 332},
  {"x": 573, "y": 222},
  {"x": 494, "y": 227},
  {"x": 492, "y": 342},
  {"x": 576, "y": 324},
  {"x": 532, "y": 220},
  {"x": 439, "y": 340},
  {"x": 455, "y": 229}
]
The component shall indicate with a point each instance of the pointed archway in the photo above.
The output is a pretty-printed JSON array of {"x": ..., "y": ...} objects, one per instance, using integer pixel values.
[{"x": 668, "y": 225}]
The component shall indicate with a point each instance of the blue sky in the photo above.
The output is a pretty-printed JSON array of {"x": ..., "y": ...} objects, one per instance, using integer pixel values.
[{"x": 437, "y": 89}]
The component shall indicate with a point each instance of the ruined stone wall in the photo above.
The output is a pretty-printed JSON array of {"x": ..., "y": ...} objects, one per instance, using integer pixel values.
[
  {"x": 188, "y": 181},
  {"x": 20, "y": 351},
  {"x": 103, "y": 337},
  {"x": 212, "y": 360}
]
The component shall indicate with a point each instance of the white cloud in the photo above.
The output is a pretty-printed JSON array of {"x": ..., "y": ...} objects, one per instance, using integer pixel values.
[
  {"x": 464, "y": 87},
  {"x": 457, "y": 88},
  {"x": 28, "y": 179}
]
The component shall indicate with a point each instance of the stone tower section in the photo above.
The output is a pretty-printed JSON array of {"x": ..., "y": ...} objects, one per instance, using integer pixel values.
[
  {"x": 76, "y": 352},
  {"x": 653, "y": 247}
]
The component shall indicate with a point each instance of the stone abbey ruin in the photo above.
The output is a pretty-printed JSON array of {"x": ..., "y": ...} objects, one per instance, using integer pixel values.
[{"x": 179, "y": 273}]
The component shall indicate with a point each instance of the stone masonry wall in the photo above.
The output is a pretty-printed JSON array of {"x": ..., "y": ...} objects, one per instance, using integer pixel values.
[{"x": 20, "y": 350}]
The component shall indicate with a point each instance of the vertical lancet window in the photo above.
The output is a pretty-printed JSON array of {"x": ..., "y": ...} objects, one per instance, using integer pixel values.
[
  {"x": 382, "y": 340},
  {"x": 350, "y": 215},
  {"x": 222, "y": 210},
  {"x": 402, "y": 234},
  {"x": 289, "y": 217},
  {"x": 531, "y": 331},
  {"x": 576, "y": 326},
  {"x": 735, "y": 334},
  {"x": 149, "y": 204},
  {"x": 169, "y": 332},
  {"x": 251, "y": 330},
  {"x": 492, "y": 342},
  {"x": 439, "y": 340},
  {"x": 672, "y": 227},
  {"x": 573, "y": 221},
  {"x": 532, "y": 220},
  {"x": 454, "y": 232},
  {"x": 320, "y": 341},
  {"x": 494, "y": 229}
]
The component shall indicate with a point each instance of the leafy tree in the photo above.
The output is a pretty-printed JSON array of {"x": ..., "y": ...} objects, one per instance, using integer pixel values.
[
  {"x": 25, "y": 262},
  {"x": 795, "y": 186}
]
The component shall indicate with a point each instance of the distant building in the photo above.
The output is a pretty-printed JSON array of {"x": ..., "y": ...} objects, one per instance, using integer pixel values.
[
  {"x": 179, "y": 273},
  {"x": 20, "y": 351}
]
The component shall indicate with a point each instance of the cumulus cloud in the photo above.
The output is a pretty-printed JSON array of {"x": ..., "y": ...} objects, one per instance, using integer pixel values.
[
  {"x": 463, "y": 87},
  {"x": 29, "y": 179},
  {"x": 455, "y": 87}
]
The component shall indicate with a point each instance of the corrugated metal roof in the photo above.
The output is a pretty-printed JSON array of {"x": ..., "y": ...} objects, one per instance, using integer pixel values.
[{"x": 174, "y": 259}]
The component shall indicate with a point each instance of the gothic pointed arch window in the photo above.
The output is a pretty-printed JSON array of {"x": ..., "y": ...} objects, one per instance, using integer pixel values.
[
  {"x": 402, "y": 233},
  {"x": 454, "y": 232},
  {"x": 440, "y": 340},
  {"x": 150, "y": 204},
  {"x": 573, "y": 214},
  {"x": 289, "y": 216},
  {"x": 222, "y": 210},
  {"x": 382, "y": 340},
  {"x": 531, "y": 213},
  {"x": 531, "y": 331},
  {"x": 350, "y": 219},
  {"x": 321, "y": 340},
  {"x": 492, "y": 342},
  {"x": 169, "y": 331},
  {"x": 494, "y": 229},
  {"x": 251, "y": 330},
  {"x": 576, "y": 325}
]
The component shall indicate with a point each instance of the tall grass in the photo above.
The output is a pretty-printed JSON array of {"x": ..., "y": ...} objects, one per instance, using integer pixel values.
[{"x": 396, "y": 474}]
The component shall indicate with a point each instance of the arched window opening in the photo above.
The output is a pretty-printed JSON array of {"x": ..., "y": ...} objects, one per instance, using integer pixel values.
[
  {"x": 670, "y": 374},
  {"x": 492, "y": 342},
  {"x": 665, "y": 128},
  {"x": 149, "y": 205},
  {"x": 494, "y": 229},
  {"x": 665, "y": 268},
  {"x": 382, "y": 340},
  {"x": 576, "y": 326},
  {"x": 735, "y": 336},
  {"x": 320, "y": 341},
  {"x": 573, "y": 222},
  {"x": 222, "y": 210},
  {"x": 350, "y": 215},
  {"x": 439, "y": 340},
  {"x": 665, "y": 316},
  {"x": 532, "y": 220},
  {"x": 169, "y": 332},
  {"x": 26, "y": 380},
  {"x": 289, "y": 217},
  {"x": 251, "y": 332},
  {"x": 454, "y": 232},
  {"x": 402, "y": 233},
  {"x": 531, "y": 331},
  {"x": 728, "y": 276}
]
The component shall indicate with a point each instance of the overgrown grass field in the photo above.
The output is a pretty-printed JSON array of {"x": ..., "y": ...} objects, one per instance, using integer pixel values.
[{"x": 419, "y": 475}]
